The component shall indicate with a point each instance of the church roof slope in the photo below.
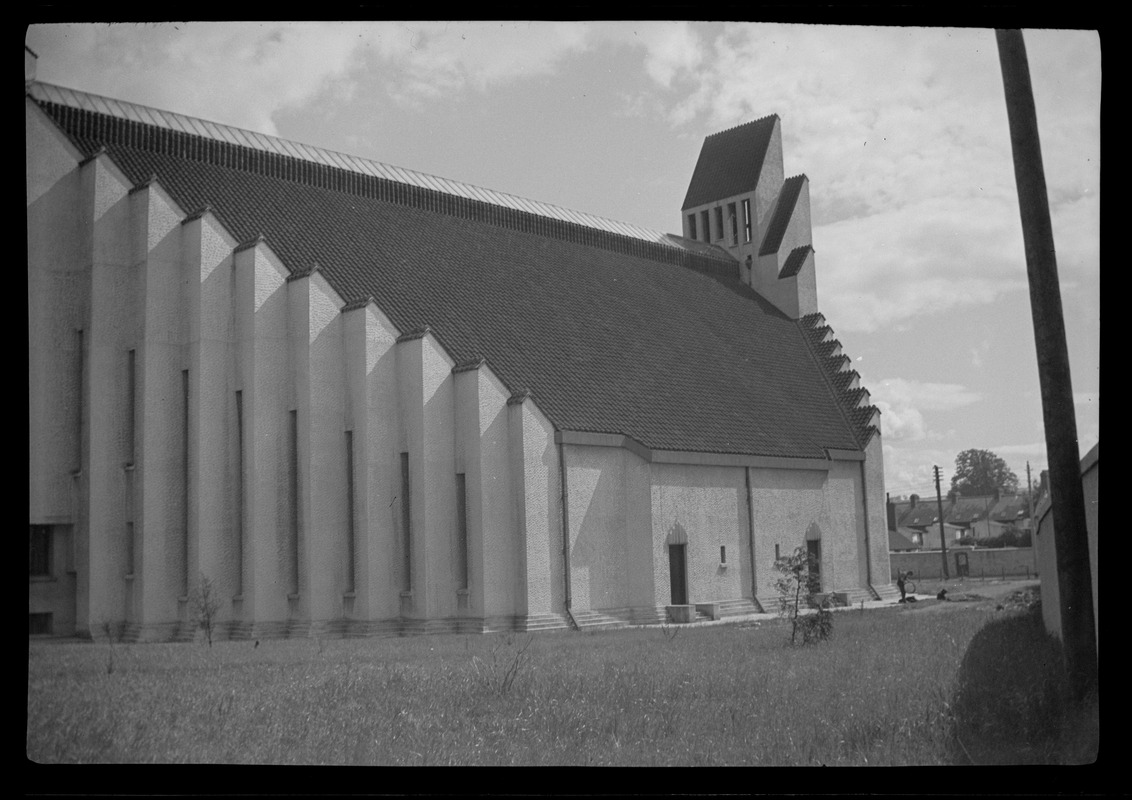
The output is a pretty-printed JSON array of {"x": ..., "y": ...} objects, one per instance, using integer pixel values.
[
  {"x": 609, "y": 333},
  {"x": 730, "y": 162}
]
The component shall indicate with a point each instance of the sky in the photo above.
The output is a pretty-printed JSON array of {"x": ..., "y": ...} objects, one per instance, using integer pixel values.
[{"x": 902, "y": 132}]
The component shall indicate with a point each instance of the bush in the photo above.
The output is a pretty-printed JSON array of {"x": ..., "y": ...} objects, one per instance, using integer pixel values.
[
  {"x": 1012, "y": 704},
  {"x": 797, "y": 587}
]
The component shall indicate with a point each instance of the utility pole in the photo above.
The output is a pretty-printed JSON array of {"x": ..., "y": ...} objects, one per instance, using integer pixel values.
[
  {"x": 1074, "y": 576},
  {"x": 942, "y": 537}
]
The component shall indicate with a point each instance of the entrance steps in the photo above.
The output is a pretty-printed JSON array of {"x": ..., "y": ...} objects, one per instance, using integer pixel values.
[
  {"x": 887, "y": 592},
  {"x": 737, "y": 608},
  {"x": 606, "y": 619}
]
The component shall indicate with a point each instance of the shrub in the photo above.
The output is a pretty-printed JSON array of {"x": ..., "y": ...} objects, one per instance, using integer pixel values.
[
  {"x": 1012, "y": 704},
  {"x": 797, "y": 586},
  {"x": 206, "y": 606}
]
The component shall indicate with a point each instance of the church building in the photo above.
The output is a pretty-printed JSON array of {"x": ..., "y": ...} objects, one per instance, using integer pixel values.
[{"x": 360, "y": 400}]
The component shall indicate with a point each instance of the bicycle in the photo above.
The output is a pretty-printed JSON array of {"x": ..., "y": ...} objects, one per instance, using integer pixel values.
[{"x": 909, "y": 584}]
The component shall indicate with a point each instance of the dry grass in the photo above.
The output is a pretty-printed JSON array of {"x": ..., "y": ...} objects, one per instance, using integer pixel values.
[{"x": 879, "y": 692}]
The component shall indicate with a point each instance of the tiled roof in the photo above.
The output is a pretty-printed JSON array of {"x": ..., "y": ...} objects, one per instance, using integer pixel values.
[
  {"x": 793, "y": 264},
  {"x": 1011, "y": 508},
  {"x": 190, "y": 132},
  {"x": 924, "y": 514},
  {"x": 861, "y": 419},
  {"x": 608, "y": 334},
  {"x": 783, "y": 210},
  {"x": 730, "y": 162},
  {"x": 966, "y": 510}
]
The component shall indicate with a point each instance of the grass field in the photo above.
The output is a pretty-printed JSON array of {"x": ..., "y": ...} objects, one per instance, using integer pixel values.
[{"x": 892, "y": 686}]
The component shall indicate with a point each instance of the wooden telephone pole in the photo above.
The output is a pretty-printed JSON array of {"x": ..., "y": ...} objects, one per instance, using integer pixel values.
[
  {"x": 942, "y": 536},
  {"x": 1078, "y": 623}
]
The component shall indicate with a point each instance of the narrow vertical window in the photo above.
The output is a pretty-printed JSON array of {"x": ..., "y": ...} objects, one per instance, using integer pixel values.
[
  {"x": 294, "y": 476},
  {"x": 406, "y": 526},
  {"x": 691, "y": 226},
  {"x": 131, "y": 404},
  {"x": 777, "y": 554},
  {"x": 185, "y": 479},
  {"x": 718, "y": 222},
  {"x": 462, "y": 530},
  {"x": 734, "y": 219},
  {"x": 39, "y": 551},
  {"x": 705, "y": 225},
  {"x": 240, "y": 499},
  {"x": 746, "y": 220},
  {"x": 79, "y": 400},
  {"x": 130, "y": 548},
  {"x": 350, "y": 544},
  {"x": 722, "y": 554}
]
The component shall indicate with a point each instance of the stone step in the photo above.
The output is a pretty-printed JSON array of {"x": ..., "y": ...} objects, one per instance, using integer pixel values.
[{"x": 886, "y": 591}]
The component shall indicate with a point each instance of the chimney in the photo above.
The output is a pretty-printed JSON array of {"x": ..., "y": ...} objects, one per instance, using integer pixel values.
[
  {"x": 915, "y": 499},
  {"x": 891, "y": 508}
]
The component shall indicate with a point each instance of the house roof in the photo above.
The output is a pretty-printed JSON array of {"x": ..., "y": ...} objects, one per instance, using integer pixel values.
[
  {"x": 898, "y": 541},
  {"x": 653, "y": 338},
  {"x": 925, "y": 513},
  {"x": 730, "y": 162},
  {"x": 1011, "y": 508},
  {"x": 965, "y": 510}
]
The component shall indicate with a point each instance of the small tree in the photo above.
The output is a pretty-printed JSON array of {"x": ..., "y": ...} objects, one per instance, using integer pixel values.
[
  {"x": 206, "y": 606},
  {"x": 796, "y": 587}
]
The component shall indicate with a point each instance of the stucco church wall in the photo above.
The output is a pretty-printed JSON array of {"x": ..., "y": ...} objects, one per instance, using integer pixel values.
[
  {"x": 878, "y": 570},
  {"x": 163, "y": 495},
  {"x": 538, "y": 507},
  {"x": 261, "y": 322},
  {"x": 377, "y": 424},
  {"x": 58, "y": 295},
  {"x": 482, "y": 455},
  {"x": 706, "y": 508},
  {"x": 102, "y": 558},
  {"x": 599, "y": 521},
  {"x": 317, "y": 343},
  {"x": 437, "y": 497},
  {"x": 207, "y": 255},
  {"x": 785, "y": 506}
]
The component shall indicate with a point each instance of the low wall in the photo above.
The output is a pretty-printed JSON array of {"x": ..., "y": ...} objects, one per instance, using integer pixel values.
[{"x": 997, "y": 562}]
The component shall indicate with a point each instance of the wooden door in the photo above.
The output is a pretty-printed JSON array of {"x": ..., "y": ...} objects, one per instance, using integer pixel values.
[{"x": 678, "y": 574}]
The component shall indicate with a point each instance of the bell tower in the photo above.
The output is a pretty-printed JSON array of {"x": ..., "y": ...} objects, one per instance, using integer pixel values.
[{"x": 738, "y": 200}]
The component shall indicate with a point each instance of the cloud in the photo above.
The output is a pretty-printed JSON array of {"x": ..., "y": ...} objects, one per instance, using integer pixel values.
[
  {"x": 426, "y": 61},
  {"x": 671, "y": 50},
  {"x": 903, "y": 134},
  {"x": 903, "y": 401},
  {"x": 275, "y": 65},
  {"x": 910, "y": 470}
]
